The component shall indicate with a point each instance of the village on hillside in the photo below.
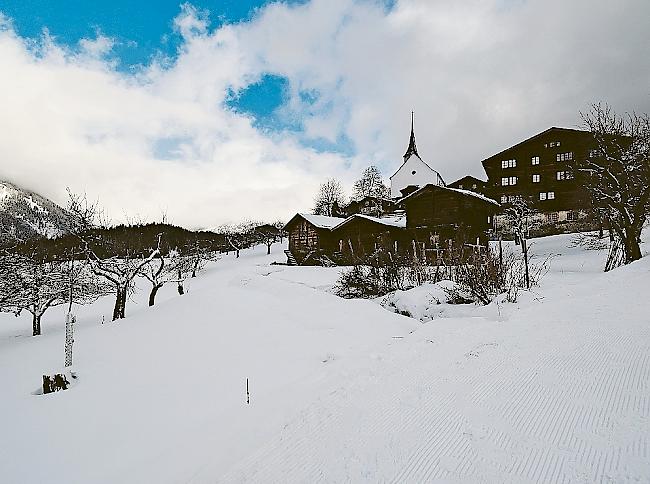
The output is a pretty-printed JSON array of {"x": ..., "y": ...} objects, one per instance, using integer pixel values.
[{"x": 316, "y": 241}]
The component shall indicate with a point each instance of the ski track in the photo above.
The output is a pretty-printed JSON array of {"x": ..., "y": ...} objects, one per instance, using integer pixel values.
[{"x": 580, "y": 413}]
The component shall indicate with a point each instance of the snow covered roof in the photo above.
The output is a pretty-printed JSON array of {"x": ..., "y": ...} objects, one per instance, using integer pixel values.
[
  {"x": 319, "y": 221},
  {"x": 398, "y": 221},
  {"x": 459, "y": 190}
]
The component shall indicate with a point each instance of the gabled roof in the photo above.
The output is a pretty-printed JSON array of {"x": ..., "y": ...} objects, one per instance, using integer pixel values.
[
  {"x": 398, "y": 221},
  {"x": 469, "y": 193},
  {"x": 318, "y": 221},
  {"x": 467, "y": 177},
  {"x": 538, "y": 135}
]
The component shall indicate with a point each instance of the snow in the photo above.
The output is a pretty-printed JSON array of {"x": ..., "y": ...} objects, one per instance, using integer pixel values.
[
  {"x": 389, "y": 220},
  {"x": 554, "y": 388},
  {"x": 322, "y": 221}
]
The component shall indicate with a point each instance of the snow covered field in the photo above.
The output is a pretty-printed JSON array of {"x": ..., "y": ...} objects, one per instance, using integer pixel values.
[{"x": 555, "y": 388}]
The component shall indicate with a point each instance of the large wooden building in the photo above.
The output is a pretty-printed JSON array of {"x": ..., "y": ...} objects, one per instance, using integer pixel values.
[{"x": 538, "y": 170}]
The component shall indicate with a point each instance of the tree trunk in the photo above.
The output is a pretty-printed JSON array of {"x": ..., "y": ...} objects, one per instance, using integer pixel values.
[
  {"x": 181, "y": 289},
  {"x": 36, "y": 324},
  {"x": 152, "y": 294},
  {"x": 237, "y": 254},
  {"x": 268, "y": 249},
  {"x": 631, "y": 244},
  {"x": 120, "y": 304}
]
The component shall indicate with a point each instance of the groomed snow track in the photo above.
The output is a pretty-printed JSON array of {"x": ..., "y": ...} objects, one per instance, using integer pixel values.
[{"x": 559, "y": 399}]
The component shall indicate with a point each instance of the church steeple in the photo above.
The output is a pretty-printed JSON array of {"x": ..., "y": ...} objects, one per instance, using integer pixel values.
[{"x": 412, "y": 149}]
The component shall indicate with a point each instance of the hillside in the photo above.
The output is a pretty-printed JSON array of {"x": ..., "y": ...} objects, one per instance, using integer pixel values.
[
  {"x": 26, "y": 215},
  {"x": 555, "y": 388}
]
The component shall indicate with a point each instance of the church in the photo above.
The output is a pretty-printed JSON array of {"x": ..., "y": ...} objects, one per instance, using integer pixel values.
[{"x": 414, "y": 172}]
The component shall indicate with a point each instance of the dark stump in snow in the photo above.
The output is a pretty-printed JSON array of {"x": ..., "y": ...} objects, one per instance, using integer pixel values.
[{"x": 55, "y": 383}]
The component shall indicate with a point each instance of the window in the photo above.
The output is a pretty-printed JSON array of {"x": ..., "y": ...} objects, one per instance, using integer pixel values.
[
  {"x": 536, "y": 178},
  {"x": 594, "y": 153},
  {"x": 514, "y": 198},
  {"x": 474, "y": 186},
  {"x": 535, "y": 160},
  {"x": 572, "y": 216},
  {"x": 460, "y": 186},
  {"x": 513, "y": 180},
  {"x": 552, "y": 217},
  {"x": 564, "y": 156},
  {"x": 504, "y": 181},
  {"x": 508, "y": 180},
  {"x": 550, "y": 195},
  {"x": 560, "y": 175},
  {"x": 569, "y": 175},
  {"x": 504, "y": 198},
  {"x": 552, "y": 144},
  {"x": 508, "y": 163},
  {"x": 542, "y": 195}
]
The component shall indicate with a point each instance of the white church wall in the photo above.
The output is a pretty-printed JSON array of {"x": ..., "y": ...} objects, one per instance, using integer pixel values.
[{"x": 413, "y": 172}]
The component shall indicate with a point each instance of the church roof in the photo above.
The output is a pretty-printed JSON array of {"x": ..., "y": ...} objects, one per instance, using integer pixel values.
[{"x": 413, "y": 150}]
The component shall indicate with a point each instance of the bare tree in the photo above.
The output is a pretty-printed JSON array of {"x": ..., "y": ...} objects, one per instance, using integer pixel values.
[
  {"x": 617, "y": 175},
  {"x": 371, "y": 184},
  {"x": 520, "y": 217},
  {"x": 330, "y": 195}
]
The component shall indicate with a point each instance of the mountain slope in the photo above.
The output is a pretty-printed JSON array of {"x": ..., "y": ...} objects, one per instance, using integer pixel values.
[{"x": 25, "y": 215}]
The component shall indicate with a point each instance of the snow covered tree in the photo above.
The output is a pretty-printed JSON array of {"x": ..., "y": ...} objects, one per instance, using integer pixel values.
[
  {"x": 617, "y": 175},
  {"x": 268, "y": 234},
  {"x": 120, "y": 271},
  {"x": 371, "y": 184},
  {"x": 239, "y": 236},
  {"x": 330, "y": 195},
  {"x": 37, "y": 286}
]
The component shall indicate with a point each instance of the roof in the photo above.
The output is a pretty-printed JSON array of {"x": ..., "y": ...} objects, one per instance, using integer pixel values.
[
  {"x": 469, "y": 193},
  {"x": 318, "y": 221},
  {"x": 467, "y": 177},
  {"x": 398, "y": 221},
  {"x": 538, "y": 135}
]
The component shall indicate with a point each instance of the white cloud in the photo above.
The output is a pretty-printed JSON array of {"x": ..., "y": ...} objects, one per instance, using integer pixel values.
[{"x": 480, "y": 75}]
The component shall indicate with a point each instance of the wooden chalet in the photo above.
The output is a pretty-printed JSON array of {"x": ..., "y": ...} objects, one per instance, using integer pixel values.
[
  {"x": 310, "y": 236},
  {"x": 442, "y": 217},
  {"x": 360, "y": 235}
]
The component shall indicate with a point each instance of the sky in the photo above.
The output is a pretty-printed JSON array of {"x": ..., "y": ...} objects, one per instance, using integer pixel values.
[{"x": 216, "y": 111}]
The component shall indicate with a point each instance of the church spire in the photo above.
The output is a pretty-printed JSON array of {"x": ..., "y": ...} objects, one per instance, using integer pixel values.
[{"x": 412, "y": 149}]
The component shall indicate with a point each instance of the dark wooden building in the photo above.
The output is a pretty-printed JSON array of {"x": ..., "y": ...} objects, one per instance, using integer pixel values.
[
  {"x": 469, "y": 183},
  {"x": 538, "y": 170},
  {"x": 439, "y": 216},
  {"x": 361, "y": 235},
  {"x": 373, "y": 206},
  {"x": 310, "y": 236}
]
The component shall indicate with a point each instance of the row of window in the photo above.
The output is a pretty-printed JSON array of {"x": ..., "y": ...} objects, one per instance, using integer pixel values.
[
  {"x": 552, "y": 144},
  {"x": 514, "y": 198},
  {"x": 512, "y": 180},
  {"x": 535, "y": 160}
]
